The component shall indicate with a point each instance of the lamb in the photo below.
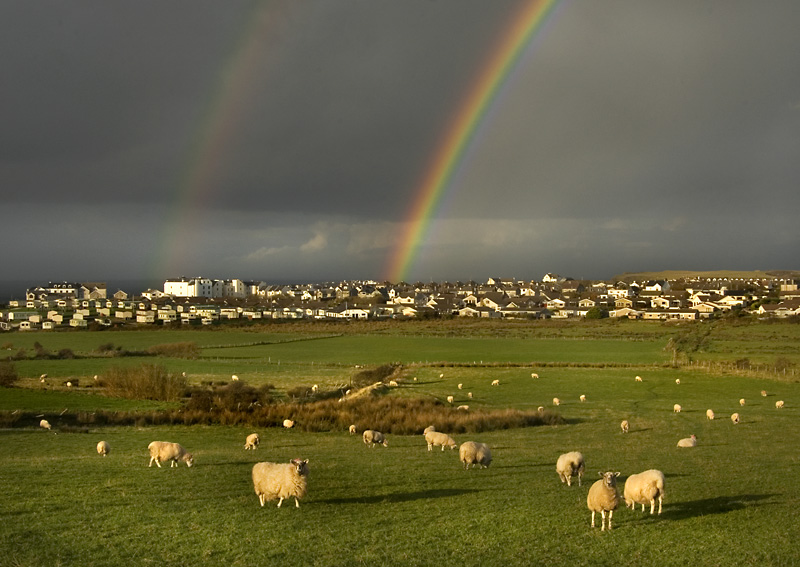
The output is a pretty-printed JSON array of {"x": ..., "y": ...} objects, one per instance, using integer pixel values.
[
  {"x": 435, "y": 439},
  {"x": 645, "y": 487},
  {"x": 735, "y": 418},
  {"x": 441, "y": 375},
  {"x": 779, "y": 404},
  {"x": 45, "y": 424},
  {"x": 352, "y": 429},
  {"x": 582, "y": 398},
  {"x": 688, "y": 442},
  {"x": 450, "y": 399},
  {"x": 741, "y": 402},
  {"x": 677, "y": 408},
  {"x": 288, "y": 423},
  {"x": 166, "y": 451},
  {"x": 495, "y": 382},
  {"x": 252, "y": 442},
  {"x": 556, "y": 402},
  {"x": 314, "y": 388},
  {"x": 638, "y": 378},
  {"x": 625, "y": 425},
  {"x": 281, "y": 480},
  {"x": 603, "y": 497},
  {"x": 569, "y": 465},
  {"x": 473, "y": 453},
  {"x": 372, "y": 437},
  {"x": 103, "y": 448},
  {"x": 709, "y": 414},
  {"x": 540, "y": 409}
]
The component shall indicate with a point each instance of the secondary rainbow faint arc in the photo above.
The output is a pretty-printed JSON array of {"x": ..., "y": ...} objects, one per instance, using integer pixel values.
[{"x": 459, "y": 134}]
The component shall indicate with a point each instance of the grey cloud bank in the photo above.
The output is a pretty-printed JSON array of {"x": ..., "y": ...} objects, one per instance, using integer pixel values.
[{"x": 631, "y": 136}]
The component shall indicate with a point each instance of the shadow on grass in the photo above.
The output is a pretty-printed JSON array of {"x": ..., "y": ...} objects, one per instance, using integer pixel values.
[
  {"x": 718, "y": 505},
  {"x": 401, "y": 496}
]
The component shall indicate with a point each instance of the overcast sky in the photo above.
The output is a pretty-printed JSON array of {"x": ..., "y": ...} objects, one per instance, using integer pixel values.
[{"x": 285, "y": 140}]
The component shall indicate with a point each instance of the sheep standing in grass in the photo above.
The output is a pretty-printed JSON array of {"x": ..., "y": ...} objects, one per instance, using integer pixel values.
[
  {"x": 688, "y": 442},
  {"x": 540, "y": 409},
  {"x": 473, "y": 453},
  {"x": 463, "y": 408},
  {"x": 281, "y": 480},
  {"x": 603, "y": 497},
  {"x": 288, "y": 423},
  {"x": 709, "y": 414},
  {"x": 779, "y": 404},
  {"x": 582, "y": 398},
  {"x": 469, "y": 395},
  {"x": 315, "y": 388},
  {"x": 252, "y": 442},
  {"x": 643, "y": 488},
  {"x": 103, "y": 448},
  {"x": 436, "y": 439},
  {"x": 392, "y": 383},
  {"x": 460, "y": 386},
  {"x": 352, "y": 429},
  {"x": 44, "y": 424},
  {"x": 741, "y": 402},
  {"x": 677, "y": 381},
  {"x": 166, "y": 451},
  {"x": 625, "y": 425},
  {"x": 764, "y": 393},
  {"x": 677, "y": 408},
  {"x": 372, "y": 438},
  {"x": 638, "y": 378},
  {"x": 735, "y": 418},
  {"x": 556, "y": 402},
  {"x": 534, "y": 375},
  {"x": 569, "y": 465},
  {"x": 450, "y": 399},
  {"x": 235, "y": 378},
  {"x": 495, "y": 382}
]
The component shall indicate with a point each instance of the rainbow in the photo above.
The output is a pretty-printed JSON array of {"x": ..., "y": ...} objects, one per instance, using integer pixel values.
[
  {"x": 198, "y": 178},
  {"x": 472, "y": 111}
]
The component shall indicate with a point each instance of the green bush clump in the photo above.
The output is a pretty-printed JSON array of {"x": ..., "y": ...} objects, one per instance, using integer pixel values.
[
  {"x": 8, "y": 374},
  {"x": 146, "y": 382},
  {"x": 188, "y": 350}
]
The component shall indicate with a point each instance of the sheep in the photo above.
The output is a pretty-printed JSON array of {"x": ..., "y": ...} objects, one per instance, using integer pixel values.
[
  {"x": 103, "y": 448},
  {"x": 252, "y": 442},
  {"x": 710, "y": 414},
  {"x": 556, "y": 402},
  {"x": 352, "y": 429},
  {"x": 645, "y": 487},
  {"x": 534, "y": 375},
  {"x": 166, "y": 451},
  {"x": 469, "y": 395},
  {"x": 392, "y": 383},
  {"x": 43, "y": 376},
  {"x": 688, "y": 442},
  {"x": 741, "y": 402},
  {"x": 45, "y": 424},
  {"x": 569, "y": 465},
  {"x": 372, "y": 437},
  {"x": 460, "y": 386},
  {"x": 540, "y": 409},
  {"x": 735, "y": 418},
  {"x": 582, "y": 398},
  {"x": 764, "y": 393},
  {"x": 677, "y": 408},
  {"x": 472, "y": 453},
  {"x": 435, "y": 439},
  {"x": 779, "y": 404},
  {"x": 603, "y": 497},
  {"x": 441, "y": 375},
  {"x": 677, "y": 381},
  {"x": 288, "y": 423},
  {"x": 69, "y": 384},
  {"x": 638, "y": 378},
  {"x": 463, "y": 408},
  {"x": 314, "y": 388},
  {"x": 625, "y": 425},
  {"x": 235, "y": 378},
  {"x": 427, "y": 429},
  {"x": 281, "y": 480},
  {"x": 495, "y": 382},
  {"x": 450, "y": 399}
]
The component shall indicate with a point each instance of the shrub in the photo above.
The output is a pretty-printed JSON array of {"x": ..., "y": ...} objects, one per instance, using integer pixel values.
[
  {"x": 175, "y": 350},
  {"x": 8, "y": 374},
  {"x": 147, "y": 382},
  {"x": 371, "y": 375}
]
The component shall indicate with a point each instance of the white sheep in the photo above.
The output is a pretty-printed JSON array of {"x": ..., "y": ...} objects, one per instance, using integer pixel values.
[
  {"x": 709, "y": 414},
  {"x": 582, "y": 398},
  {"x": 463, "y": 407},
  {"x": 625, "y": 425},
  {"x": 460, "y": 386},
  {"x": 45, "y": 424},
  {"x": 352, "y": 429},
  {"x": 677, "y": 408},
  {"x": 235, "y": 378},
  {"x": 638, "y": 378},
  {"x": 534, "y": 375},
  {"x": 779, "y": 404},
  {"x": 69, "y": 384},
  {"x": 372, "y": 438},
  {"x": 741, "y": 402},
  {"x": 473, "y": 453},
  {"x": 735, "y": 418},
  {"x": 688, "y": 442},
  {"x": 288, "y": 423},
  {"x": 314, "y": 388},
  {"x": 603, "y": 497},
  {"x": 495, "y": 382},
  {"x": 103, "y": 448},
  {"x": 441, "y": 375},
  {"x": 677, "y": 381},
  {"x": 392, "y": 383},
  {"x": 556, "y": 402},
  {"x": 643, "y": 488},
  {"x": 450, "y": 399},
  {"x": 436, "y": 439},
  {"x": 764, "y": 393},
  {"x": 281, "y": 480},
  {"x": 469, "y": 395},
  {"x": 43, "y": 376},
  {"x": 569, "y": 465},
  {"x": 166, "y": 451},
  {"x": 540, "y": 409},
  {"x": 252, "y": 442}
]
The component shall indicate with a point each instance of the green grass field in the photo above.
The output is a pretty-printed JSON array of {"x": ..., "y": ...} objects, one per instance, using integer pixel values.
[{"x": 730, "y": 500}]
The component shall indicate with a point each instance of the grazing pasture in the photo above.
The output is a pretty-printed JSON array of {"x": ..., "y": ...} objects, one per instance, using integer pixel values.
[{"x": 730, "y": 500}]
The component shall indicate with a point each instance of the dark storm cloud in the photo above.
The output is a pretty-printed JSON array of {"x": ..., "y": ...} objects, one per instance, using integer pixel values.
[{"x": 632, "y": 135}]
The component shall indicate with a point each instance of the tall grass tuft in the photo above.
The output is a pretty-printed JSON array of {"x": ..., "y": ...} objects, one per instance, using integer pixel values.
[
  {"x": 188, "y": 350},
  {"x": 146, "y": 382},
  {"x": 8, "y": 373}
]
